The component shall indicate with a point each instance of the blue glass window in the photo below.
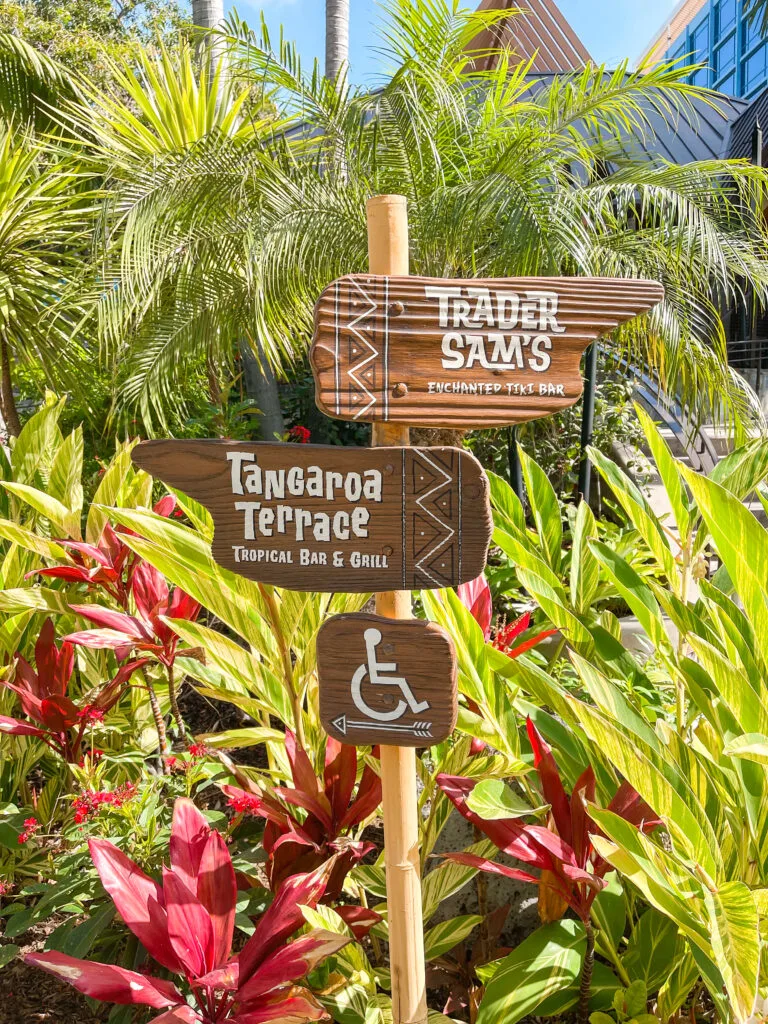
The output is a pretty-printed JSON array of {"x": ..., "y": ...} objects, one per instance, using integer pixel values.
[
  {"x": 725, "y": 17},
  {"x": 750, "y": 34},
  {"x": 755, "y": 69},
  {"x": 725, "y": 57},
  {"x": 700, "y": 42},
  {"x": 700, "y": 77},
  {"x": 679, "y": 52},
  {"x": 728, "y": 85}
]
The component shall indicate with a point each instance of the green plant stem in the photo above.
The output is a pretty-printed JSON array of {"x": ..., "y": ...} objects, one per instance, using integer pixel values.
[
  {"x": 606, "y": 949},
  {"x": 588, "y": 966},
  {"x": 557, "y": 652},
  {"x": 285, "y": 659}
]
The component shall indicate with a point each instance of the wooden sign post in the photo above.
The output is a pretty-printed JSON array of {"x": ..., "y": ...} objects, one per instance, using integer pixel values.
[{"x": 388, "y": 255}]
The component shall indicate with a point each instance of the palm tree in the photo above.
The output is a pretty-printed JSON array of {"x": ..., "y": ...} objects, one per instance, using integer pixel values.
[
  {"x": 43, "y": 222},
  {"x": 755, "y": 10},
  {"x": 504, "y": 176},
  {"x": 336, "y": 37}
]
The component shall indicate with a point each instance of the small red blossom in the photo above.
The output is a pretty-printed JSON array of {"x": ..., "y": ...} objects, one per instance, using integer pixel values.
[
  {"x": 199, "y": 750},
  {"x": 89, "y": 803},
  {"x": 90, "y": 713},
  {"x": 299, "y": 434},
  {"x": 245, "y": 803},
  {"x": 5, "y": 888},
  {"x": 31, "y": 826}
]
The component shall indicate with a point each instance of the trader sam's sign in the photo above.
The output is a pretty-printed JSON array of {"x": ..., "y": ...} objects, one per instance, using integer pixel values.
[{"x": 464, "y": 353}]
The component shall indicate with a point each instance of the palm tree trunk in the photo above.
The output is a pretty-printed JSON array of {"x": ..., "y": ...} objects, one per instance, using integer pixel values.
[
  {"x": 7, "y": 401},
  {"x": 336, "y": 37},
  {"x": 261, "y": 387}
]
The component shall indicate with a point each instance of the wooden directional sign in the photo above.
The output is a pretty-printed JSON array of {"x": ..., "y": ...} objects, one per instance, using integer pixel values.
[
  {"x": 467, "y": 353},
  {"x": 386, "y": 681},
  {"x": 311, "y": 517}
]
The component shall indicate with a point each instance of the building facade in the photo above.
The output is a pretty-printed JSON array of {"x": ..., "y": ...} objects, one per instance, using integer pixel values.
[{"x": 715, "y": 33}]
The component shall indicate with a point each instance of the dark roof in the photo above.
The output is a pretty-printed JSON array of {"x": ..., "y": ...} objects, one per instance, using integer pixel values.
[
  {"x": 535, "y": 29},
  {"x": 743, "y": 128},
  {"x": 704, "y": 134}
]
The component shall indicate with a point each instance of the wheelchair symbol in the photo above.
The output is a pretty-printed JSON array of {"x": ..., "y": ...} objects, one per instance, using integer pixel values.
[{"x": 381, "y": 673}]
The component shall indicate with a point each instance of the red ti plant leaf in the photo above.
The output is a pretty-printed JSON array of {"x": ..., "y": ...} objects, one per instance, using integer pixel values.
[
  {"x": 106, "y": 982},
  {"x": 186, "y": 926},
  {"x": 295, "y": 844},
  {"x": 476, "y": 596},
  {"x": 567, "y": 863}
]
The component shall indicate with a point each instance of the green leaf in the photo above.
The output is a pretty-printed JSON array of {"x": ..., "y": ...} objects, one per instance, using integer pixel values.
[
  {"x": 750, "y": 747},
  {"x": 636, "y": 997},
  {"x": 545, "y": 509},
  {"x": 736, "y": 943},
  {"x": 640, "y": 513},
  {"x": 8, "y": 953},
  {"x": 651, "y": 950},
  {"x": 444, "y": 936},
  {"x": 635, "y": 592},
  {"x": 678, "y": 985},
  {"x": 585, "y": 571},
  {"x": 506, "y": 502},
  {"x": 492, "y": 800},
  {"x": 235, "y": 739},
  {"x": 544, "y": 963},
  {"x": 667, "y": 466},
  {"x": 66, "y": 523},
  {"x": 609, "y": 911}
]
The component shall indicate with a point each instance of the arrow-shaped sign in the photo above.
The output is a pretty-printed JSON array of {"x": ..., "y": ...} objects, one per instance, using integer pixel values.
[{"x": 420, "y": 729}]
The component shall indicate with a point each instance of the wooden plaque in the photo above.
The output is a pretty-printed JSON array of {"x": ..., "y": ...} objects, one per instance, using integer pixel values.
[
  {"x": 315, "y": 517},
  {"x": 386, "y": 681},
  {"x": 468, "y": 353}
]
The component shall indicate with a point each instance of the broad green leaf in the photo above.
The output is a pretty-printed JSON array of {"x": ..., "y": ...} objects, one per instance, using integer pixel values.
[
  {"x": 448, "y": 877},
  {"x": 32, "y": 542},
  {"x": 544, "y": 963},
  {"x": 736, "y": 943},
  {"x": 750, "y": 747},
  {"x": 671, "y": 797},
  {"x": 742, "y": 544},
  {"x": 443, "y": 937},
  {"x": 609, "y": 911},
  {"x": 36, "y": 442},
  {"x": 743, "y": 469},
  {"x": 585, "y": 571},
  {"x": 652, "y": 949},
  {"x": 65, "y": 483},
  {"x": 8, "y": 953},
  {"x": 39, "y": 599},
  {"x": 635, "y": 592},
  {"x": 492, "y": 800},
  {"x": 108, "y": 492},
  {"x": 639, "y": 512},
  {"x": 66, "y": 523},
  {"x": 505, "y": 501},
  {"x": 677, "y": 986},
  {"x": 668, "y": 471},
  {"x": 234, "y": 739},
  {"x": 545, "y": 509}
]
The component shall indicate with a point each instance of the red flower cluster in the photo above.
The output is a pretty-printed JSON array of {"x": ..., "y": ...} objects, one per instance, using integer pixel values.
[
  {"x": 198, "y": 752},
  {"x": 5, "y": 888},
  {"x": 89, "y": 804},
  {"x": 90, "y": 713},
  {"x": 90, "y": 755},
  {"x": 31, "y": 826},
  {"x": 245, "y": 803},
  {"x": 299, "y": 434},
  {"x": 476, "y": 596}
]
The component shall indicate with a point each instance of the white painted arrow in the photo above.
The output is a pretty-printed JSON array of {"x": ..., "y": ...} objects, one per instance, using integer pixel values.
[{"x": 420, "y": 729}]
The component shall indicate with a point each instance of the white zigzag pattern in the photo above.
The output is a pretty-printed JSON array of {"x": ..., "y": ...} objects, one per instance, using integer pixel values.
[
  {"x": 447, "y": 478},
  {"x": 353, "y": 370}
]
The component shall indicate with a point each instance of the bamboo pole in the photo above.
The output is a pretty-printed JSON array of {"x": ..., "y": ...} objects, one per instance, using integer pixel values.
[{"x": 388, "y": 254}]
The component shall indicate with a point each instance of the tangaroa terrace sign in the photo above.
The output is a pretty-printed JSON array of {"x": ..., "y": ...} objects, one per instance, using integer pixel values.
[
  {"x": 462, "y": 353},
  {"x": 313, "y": 517}
]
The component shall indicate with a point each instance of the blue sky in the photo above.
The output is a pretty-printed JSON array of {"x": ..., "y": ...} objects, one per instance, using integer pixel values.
[{"x": 610, "y": 29}]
